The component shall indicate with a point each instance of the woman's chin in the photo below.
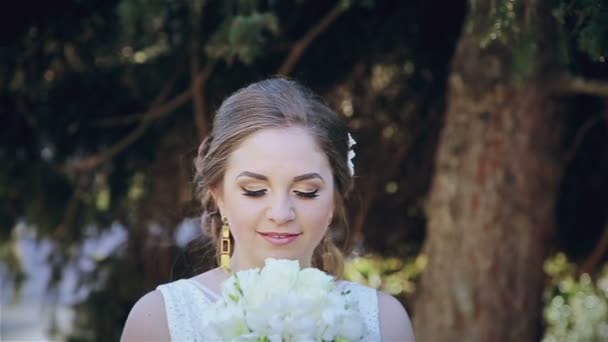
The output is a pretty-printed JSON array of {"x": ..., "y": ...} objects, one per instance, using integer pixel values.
[{"x": 280, "y": 255}]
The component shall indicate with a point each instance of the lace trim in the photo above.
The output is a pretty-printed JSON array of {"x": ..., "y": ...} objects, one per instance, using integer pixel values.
[
  {"x": 368, "y": 307},
  {"x": 183, "y": 301}
]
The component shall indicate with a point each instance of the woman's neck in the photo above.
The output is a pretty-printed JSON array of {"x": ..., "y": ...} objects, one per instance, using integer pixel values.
[{"x": 237, "y": 264}]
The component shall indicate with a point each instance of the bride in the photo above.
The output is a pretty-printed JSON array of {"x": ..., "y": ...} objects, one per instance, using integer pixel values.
[{"x": 272, "y": 178}]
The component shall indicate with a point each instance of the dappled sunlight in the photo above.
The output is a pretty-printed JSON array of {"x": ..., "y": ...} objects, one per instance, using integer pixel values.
[
  {"x": 576, "y": 306},
  {"x": 389, "y": 274},
  {"x": 347, "y": 107},
  {"x": 382, "y": 76}
]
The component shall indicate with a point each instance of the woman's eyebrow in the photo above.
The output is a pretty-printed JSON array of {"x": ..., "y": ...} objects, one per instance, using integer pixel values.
[
  {"x": 252, "y": 175},
  {"x": 307, "y": 176}
]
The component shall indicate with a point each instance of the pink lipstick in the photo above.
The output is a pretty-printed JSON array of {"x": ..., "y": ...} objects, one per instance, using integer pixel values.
[{"x": 279, "y": 239}]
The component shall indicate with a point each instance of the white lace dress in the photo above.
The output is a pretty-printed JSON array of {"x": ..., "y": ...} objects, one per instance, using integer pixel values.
[{"x": 184, "y": 299}]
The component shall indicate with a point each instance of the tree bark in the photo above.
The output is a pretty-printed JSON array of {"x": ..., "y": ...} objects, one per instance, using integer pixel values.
[{"x": 491, "y": 204}]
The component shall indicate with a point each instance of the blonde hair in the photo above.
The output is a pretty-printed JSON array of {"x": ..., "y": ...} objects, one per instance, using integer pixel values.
[{"x": 275, "y": 103}]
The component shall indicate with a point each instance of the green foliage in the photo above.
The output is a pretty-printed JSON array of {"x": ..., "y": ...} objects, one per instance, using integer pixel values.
[
  {"x": 576, "y": 307},
  {"x": 392, "y": 275},
  {"x": 523, "y": 55},
  {"x": 139, "y": 17},
  {"x": 507, "y": 27},
  {"x": 585, "y": 23},
  {"x": 518, "y": 30},
  {"x": 346, "y": 4},
  {"x": 242, "y": 36},
  {"x": 502, "y": 24}
]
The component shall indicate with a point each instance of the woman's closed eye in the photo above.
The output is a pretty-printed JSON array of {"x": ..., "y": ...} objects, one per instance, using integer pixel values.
[
  {"x": 253, "y": 193},
  {"x": 307, "y": 194},
  {"x": 262, "y": 192}
]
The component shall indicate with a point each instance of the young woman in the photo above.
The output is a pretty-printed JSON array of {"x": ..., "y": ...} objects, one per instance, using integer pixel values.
[{"x": 272, "y": 178}]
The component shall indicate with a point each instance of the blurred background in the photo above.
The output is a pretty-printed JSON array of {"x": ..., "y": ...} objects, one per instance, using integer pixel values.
[{"x": 482, "y": 153}]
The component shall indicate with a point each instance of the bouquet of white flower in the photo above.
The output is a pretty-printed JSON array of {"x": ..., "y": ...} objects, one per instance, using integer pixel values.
[{"x": 282, "y": 302}]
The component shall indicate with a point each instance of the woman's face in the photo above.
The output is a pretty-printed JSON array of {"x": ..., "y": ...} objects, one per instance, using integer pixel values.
[{"x": 278, "y": 196}]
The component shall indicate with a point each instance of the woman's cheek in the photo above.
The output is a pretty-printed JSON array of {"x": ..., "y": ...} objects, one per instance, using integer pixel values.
[
  {"x": 317, "y": 214},
  {"x": 248, "y": 213}
]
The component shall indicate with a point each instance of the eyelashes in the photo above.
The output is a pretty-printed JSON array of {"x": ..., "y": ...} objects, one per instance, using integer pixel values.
[
  {"x": 262, "y": 192},
  {"x": 311, "y": 194},
  {"x": 253, "y": 193}
]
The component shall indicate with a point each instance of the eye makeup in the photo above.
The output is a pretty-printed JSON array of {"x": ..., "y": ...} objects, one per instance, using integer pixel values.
[
  {"x": 253, "y": 193},
  {"x": 307, "y": 194},
  {"x": 306, "y": 186}
]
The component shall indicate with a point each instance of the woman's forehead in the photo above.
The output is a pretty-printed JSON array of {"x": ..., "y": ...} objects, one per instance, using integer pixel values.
[{"x": 278, "y": 150}]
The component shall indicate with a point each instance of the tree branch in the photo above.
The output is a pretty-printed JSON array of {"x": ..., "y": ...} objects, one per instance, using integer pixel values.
[
  {"x": 135, "y": 117},
  {"x": 198, "y": 82},
  {"x": 577, "y": 85},
  {"x": 159, "y": 112},
  {"x": 167, "y": 88},
  {"x": 71, "y": 209},
  {"x": 152, "y": 115},
  {"x": 598, "y": 253},
  {"x": 121, "y": 120},
  {"x": 297, "y": 50},
  {"x": 200, "y": 105},
  {"x": 580, "y": 137}
]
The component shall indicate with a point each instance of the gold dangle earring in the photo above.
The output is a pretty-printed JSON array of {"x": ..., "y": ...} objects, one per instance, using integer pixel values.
[{"x": 226, "y": 246}]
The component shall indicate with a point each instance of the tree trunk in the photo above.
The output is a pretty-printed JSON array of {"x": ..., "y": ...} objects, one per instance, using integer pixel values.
[{"x": 491, "y": 204}]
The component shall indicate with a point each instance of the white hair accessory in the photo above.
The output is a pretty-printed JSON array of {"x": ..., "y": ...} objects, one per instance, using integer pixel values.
[{"x": 351, "y": 154}]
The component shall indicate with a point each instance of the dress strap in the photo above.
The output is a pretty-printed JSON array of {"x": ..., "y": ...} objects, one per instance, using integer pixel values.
[
  {"x": 368, "y": 307},
  {"x": 183, "y": 306},
  {"x": 212, "y": 295}
]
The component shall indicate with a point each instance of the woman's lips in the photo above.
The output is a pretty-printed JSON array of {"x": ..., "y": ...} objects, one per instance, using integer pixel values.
[{"x": 279, "y": 239}]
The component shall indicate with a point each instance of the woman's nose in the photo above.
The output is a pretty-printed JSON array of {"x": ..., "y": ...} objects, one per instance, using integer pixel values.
[{"x": 281, "y": 210}]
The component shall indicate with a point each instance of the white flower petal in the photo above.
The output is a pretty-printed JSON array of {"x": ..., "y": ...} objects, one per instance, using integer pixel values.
[{"x": 282, "y": 303}]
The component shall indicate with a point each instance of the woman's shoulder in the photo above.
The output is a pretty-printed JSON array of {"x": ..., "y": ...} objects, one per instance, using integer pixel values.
[
  {"x": 395, "y": 323},
  {"x": 169, "y": 312},
  {"x": 147, "y": 320}
]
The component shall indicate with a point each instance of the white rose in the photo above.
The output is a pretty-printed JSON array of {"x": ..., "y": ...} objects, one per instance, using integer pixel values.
[
  {"x": 279, "y": 275},
  {"x": 257, "y": 320},
  {"x": 300, "y": 328},
  {"x": 250, "y": 337},
  {"x": 242, "y": 285},
  {"x": 283, "y": 303},
  {"x": 247, "y": 279},
  {"x": 311, "y": 279},
  {"x": 233, "y": 288},
  {"x": 275, "y": 338},
  {"x": 228, "y": 322},
  {"x": 276, "y": 323}
]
